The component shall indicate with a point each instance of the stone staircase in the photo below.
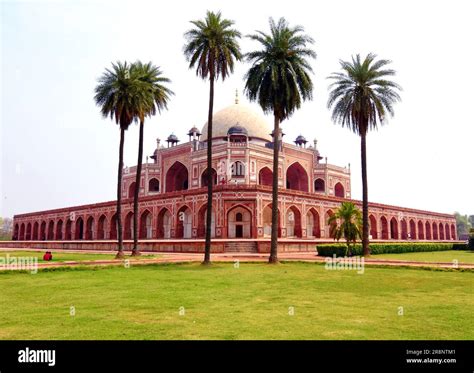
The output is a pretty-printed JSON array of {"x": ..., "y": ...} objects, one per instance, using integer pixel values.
[{"x": 240, "y": 247}]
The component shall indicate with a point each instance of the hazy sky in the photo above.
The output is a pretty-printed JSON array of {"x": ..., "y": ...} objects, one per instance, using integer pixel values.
[{"x": 57, "y": 151}]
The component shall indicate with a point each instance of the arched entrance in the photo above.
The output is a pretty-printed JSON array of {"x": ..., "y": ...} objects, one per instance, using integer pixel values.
[
  {"x": 177, "y": 177},
  {"x": 435, "y": 231},
  {"x": 163, "y": 227},
  {"x": 113, "y": 234},
  {"x": 296, "y": 178},
  {"x": 428, "y": 231},
  {"x": 184, "y": 223},
  {"x": 204, "y": 177},
  {"x": 404, "y": 229},
  {"x": 267, "y": 221},
  {"x": 28, "y": 232},
  {"x": 59, "y": 230},
  {"x": 128, "y": 227},
  {"x": 68, "y": 234},
  {"x": 339, "y": 190},
  {"x": 101, "y": 227},
  {"x": 265, "y": 176},
  {"x": 79, "y": 229},
  {"x": 394, "y": 229},
  {"x": 313, "y": 228},
  {"x": 90, "y": 228},
  {"x": 51, "y": 230},
  {"x": 384, "y": 225},
  {"x": 239, "y": 223},
  {"x": 441, "y": 231},
  {"x": 202, "y": 215},
  {"x": 329, "y": 227},
  {"x": 373, "y": 227},
  {"x": 421, "y": 230},
  {"x": 146, "y": 227},
  {"x": 35, "y": 231},
  {"x": 43, "y": 231},
  {"x": 131, "y": 190},
  {"x": 293, "y": 222},
  {"x": 153, "y": 185},
  {"x": 453, "y": 232},
  {"x": 319, "y": 186},
  {"x": 412, "y": 230}
]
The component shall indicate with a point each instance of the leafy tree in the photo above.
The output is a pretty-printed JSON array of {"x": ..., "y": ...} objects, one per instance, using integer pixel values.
[
  {"x": 462, "y": 224},
  {"x": 346, "y": 223},
  {"x": 117, "y": 96},
  {"x": 212, "y": 48},
  {"x": 279, "y": 80},
  {"x": 361, "y": 97},
  {"x": 153, "y": 96}
]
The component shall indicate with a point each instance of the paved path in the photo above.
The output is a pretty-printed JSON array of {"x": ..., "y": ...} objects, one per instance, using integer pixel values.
[{"x": 227, "y": 257}]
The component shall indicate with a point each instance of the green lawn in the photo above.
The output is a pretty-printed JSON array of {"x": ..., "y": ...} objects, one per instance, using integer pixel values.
[
  {"x": 432, "y": 256},
  {"x": 62, "y": 256},
  {"x": 250, "y": 302}
]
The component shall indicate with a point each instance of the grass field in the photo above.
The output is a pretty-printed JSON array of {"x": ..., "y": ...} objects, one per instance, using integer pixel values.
[
  {"x": 432, "y": 256},
  {"x": 62, "y": 256},
  {"x": 254, "y": 301}
]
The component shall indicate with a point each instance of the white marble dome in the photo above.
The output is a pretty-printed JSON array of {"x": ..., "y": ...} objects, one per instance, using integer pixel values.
[{"x": 243, "y": 115}]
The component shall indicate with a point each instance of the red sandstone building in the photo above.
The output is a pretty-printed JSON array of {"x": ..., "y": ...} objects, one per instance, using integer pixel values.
[{"x": 173, "y": 198}]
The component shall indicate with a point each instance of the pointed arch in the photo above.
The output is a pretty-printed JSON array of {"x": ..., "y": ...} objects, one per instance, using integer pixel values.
[
  {"x": 329, "y": 227},
  {"x": 296, "y": 177},
  {"x": 446, "y": 232},
  {"x": 35, "y": 231},
  {"x": 153, "y": 185},
  {"x": 428, "y": 230},
  {"x": 113, "y": 233},
  {"x": 101, "y": 227},
  {"x": 373, "y": 226},
  {"x": 267, "y": 221},
  {"x": 59, "y": 230},
  {"x": 265, "y": 176},
  {"x": 68, "y": 233},
  {"x": 384, "y": 226},
  {"x": 184, "y": 222},
  {"x": 51, "y": 230},
  {"x": 293, "y": 222},
  {"x": 339, "y": 190},
  {"x": 313, "y": 224},
  {"x": 177, "y": 177},
  {"x": 435, "y": 231},
  {"x": 319, "y": 186},
  {"x": 28, "y": 232},
  {"x": 164, "y": 222},
  {"x": 204, "y": 177},
  {"x": 43, "y": 231},
  {"x": 404, "y": 225},
  {"x": 394, "y": 229},
  {"x": 239, "y": 222},
  {"x": 131, "y": 190},
  {"x": 146, "y": 225},
  {"x": 421, "y": 230},
  {"x": 202, "y": 214},
  {"x": 128, "y": 226},
  {"x": 412, "y": 230}
]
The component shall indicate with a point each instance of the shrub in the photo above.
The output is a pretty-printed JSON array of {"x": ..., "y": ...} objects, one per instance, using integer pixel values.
[
  {"x": 460, "y": 246},
  {"x": 383, "y": 248}
]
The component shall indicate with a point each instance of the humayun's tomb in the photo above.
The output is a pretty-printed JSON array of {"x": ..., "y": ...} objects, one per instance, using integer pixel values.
[{"x": 173, "y": 198}]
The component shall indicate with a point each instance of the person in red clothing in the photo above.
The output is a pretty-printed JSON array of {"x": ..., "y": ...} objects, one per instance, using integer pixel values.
[{"x": 48, "y": 256}]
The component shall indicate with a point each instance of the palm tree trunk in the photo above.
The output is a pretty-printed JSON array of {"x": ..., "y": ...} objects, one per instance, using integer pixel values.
[
  {"x": 135, "y": 251},
  {"x": 207, "y": 249},
  {"x": 276, "y": 149},
  {"x": 119, "y": 197},
  {"x": 365, "y": 198}
]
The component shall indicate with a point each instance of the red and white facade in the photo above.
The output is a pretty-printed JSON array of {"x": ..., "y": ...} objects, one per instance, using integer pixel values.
[{"x": 173, "y": 198}]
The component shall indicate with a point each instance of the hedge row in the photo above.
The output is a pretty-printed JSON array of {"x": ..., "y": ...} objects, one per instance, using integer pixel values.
[{"x": 385, "y": 248}]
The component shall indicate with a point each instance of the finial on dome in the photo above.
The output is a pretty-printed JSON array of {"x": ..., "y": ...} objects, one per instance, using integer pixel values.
[{"x": 236, "y": 96}]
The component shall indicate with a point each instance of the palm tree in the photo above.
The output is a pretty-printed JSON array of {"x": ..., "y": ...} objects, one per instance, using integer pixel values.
[
  {"x": 361, "y": 97},
  {"x": 211, "y": 46},
  {"x": 346, "y": 222},
  {"x": 153, "y": 97},
  {"x": 279, "y": 81},
  {"x": 117, "y": 97}
]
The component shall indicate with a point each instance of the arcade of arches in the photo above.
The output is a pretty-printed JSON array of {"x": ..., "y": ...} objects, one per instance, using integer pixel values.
[{"x": 236, "y": 222}]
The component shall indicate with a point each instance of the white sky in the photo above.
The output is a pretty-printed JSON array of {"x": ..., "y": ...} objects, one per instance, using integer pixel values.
[{"x": 57, "y": 151}]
